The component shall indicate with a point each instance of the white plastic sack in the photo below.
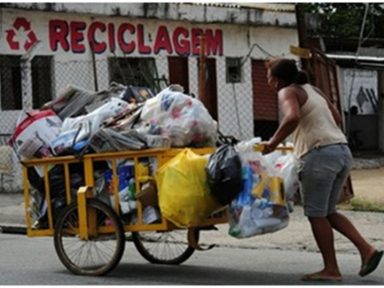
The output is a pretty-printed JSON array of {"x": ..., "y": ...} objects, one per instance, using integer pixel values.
[
  {"x": 253, "y": 214},
  {"x": 90, "y": 123},
  {"x": 287, "y": 169},
  {"x": 261, "y": 206},
  {"x": 180, "y": 117},
  {"x": 33, "y": 133}
]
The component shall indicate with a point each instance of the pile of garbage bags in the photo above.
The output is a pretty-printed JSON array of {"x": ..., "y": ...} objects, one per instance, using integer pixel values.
[
  {"x": 113, "y": 120},
  {"x": 117, "y": 119},
  {"x": 256, "y": 188}
]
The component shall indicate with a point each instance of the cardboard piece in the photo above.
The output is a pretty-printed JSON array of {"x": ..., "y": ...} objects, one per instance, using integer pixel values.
[{"x": 148, "y": 194}]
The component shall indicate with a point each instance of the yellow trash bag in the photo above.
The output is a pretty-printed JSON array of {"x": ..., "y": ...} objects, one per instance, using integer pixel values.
[{"x": 184, "y": 196}]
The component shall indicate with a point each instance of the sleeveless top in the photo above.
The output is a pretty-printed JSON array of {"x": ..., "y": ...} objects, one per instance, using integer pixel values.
[{"x": 317, "y": 126}]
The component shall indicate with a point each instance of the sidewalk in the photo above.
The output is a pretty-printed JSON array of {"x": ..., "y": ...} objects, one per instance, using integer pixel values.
[{"x": 12, "y": 212}]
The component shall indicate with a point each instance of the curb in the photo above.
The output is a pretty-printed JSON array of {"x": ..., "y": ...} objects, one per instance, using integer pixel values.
[{"x": 13, "y": 229}]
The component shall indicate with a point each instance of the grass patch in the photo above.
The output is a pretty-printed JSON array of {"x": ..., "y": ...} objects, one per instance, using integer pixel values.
[{"x": 360, "y": 204}]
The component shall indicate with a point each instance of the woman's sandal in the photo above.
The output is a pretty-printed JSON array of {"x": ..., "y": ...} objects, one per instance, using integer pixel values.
[
  {"x": 320, "y": 277},
  {"x": 372, "y": 264}
]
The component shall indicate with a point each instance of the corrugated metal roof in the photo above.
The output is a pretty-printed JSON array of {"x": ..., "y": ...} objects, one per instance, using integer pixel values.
[
  {"x": 270, "y": 6},
  {"x": 262, "y": 6},
  {"x": 354, "y": 57},
  {"x": 213, "y": 4}
]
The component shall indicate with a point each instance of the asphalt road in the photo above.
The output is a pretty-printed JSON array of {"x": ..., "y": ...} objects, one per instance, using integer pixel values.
[
  {"x": 279, "y": 258},
  {"x": 33, "y": 261}
]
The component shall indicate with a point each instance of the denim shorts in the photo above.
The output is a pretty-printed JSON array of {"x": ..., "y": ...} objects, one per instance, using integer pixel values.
[{"x": 322, "y": 173}]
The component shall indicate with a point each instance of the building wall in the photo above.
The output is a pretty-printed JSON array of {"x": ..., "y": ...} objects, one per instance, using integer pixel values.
[
  {"x": 234, "y": 100},
  {"x": 360, "y": 94}
]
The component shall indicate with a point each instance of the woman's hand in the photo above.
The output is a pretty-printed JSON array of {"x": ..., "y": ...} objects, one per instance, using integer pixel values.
[{"x": 268, "y": 147}]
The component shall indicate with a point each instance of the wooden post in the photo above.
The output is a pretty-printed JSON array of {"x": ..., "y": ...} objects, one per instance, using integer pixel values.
[
  {"x": 202, "y": 93},
  {"x": 303, "y": 38},
  {"x": 95, "y": 81}
]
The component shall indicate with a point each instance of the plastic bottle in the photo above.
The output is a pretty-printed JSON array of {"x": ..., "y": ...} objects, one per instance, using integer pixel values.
[
  {"x": 132, "y": 189},
  {"x": 245, "y": 197}
]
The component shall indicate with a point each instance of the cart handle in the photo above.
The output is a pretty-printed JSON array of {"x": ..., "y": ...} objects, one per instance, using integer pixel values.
[{"x": 260, "y": 148}]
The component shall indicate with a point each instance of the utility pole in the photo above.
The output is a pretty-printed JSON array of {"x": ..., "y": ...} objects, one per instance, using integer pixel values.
[
  {"x": 303, "y": 38},
  {"x": 202, "y": 73}
]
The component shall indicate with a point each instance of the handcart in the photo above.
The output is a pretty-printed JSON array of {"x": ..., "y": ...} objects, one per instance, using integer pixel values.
[{"x": 89, "y": 233}]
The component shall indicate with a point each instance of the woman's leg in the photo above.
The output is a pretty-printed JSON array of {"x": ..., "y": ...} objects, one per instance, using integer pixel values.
[
  {"x": 339, "y": 221},
  {"x": 323, "y": 233},
  {"x": 345, "y": 227},
  {"x": 318, "y": 178}
]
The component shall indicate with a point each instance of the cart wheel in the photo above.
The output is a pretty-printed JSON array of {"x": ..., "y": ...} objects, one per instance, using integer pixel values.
[
  {"x": 164, "y": 247},
  {"x": 101, "y": 252}
]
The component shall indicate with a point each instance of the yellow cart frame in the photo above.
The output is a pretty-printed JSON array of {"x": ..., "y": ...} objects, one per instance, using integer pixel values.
[{"x": 162, "y": 155}]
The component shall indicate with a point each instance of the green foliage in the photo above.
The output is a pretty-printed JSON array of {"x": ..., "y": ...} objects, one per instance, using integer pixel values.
[
  {"x": 361, "y": 204},
  {"x": 344, "y": 20}
]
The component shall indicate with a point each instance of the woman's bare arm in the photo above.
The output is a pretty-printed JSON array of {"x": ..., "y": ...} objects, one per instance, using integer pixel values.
[{"x": 290, "y": 109}]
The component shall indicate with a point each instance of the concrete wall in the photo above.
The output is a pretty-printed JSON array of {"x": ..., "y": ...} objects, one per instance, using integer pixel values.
[{"x": 360, "y": 88}]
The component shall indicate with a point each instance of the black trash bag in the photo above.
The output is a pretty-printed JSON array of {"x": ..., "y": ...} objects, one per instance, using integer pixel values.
[
  {"x": 224, "y": 174},
  {"x": 57, "y": 189}
]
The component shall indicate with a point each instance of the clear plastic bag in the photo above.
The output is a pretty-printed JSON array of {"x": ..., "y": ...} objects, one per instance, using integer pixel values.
[
  {"x": 287, "y": 169},
  {"x": 261, "y": 206}
]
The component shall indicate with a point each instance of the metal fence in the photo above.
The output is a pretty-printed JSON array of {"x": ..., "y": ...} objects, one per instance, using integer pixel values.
[{"x": 234, "y": 90}]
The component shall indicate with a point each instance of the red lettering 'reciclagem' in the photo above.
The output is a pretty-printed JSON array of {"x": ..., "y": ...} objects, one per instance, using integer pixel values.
[
  {"x": 97, "y": 47},
  {"x": 131, "y": 38},
  {"x": 214, "y": 42},
  {"x": 196, "y": 39},
  {"x": 182, "y": 46},
  {"x": 111, "y": 37},
  {"x": 77, "y": 36},
  {"x": 124, "y": 46},
  {"x": 58, "y": 32},
  {"x": 143, "y": 49},
  {"x": 162, "y": 41}
]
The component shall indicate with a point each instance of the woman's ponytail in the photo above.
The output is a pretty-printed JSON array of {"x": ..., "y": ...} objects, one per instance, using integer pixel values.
[
  {"x": 301, "y": 78},
  {"x": 286, "y": 70}
]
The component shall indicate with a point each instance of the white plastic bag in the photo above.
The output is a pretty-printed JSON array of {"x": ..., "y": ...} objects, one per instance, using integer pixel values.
[
  {"x": 260, "y": 207},
  {"x": 180, "y": 117},
  {"x": 89, "y": 124},
  {"x": 251, "y": 215},
  {"x": 33, "y": 133},
  {"x": 286, "y": 166}
]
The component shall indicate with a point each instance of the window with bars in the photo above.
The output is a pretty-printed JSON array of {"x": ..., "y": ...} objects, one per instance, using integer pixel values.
[
  {"x": 10, "y": 83},
  {"x": 141, "y": 72},
  {"x": 42, "y": 72},
  {"x": 233, "y": 70}
]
